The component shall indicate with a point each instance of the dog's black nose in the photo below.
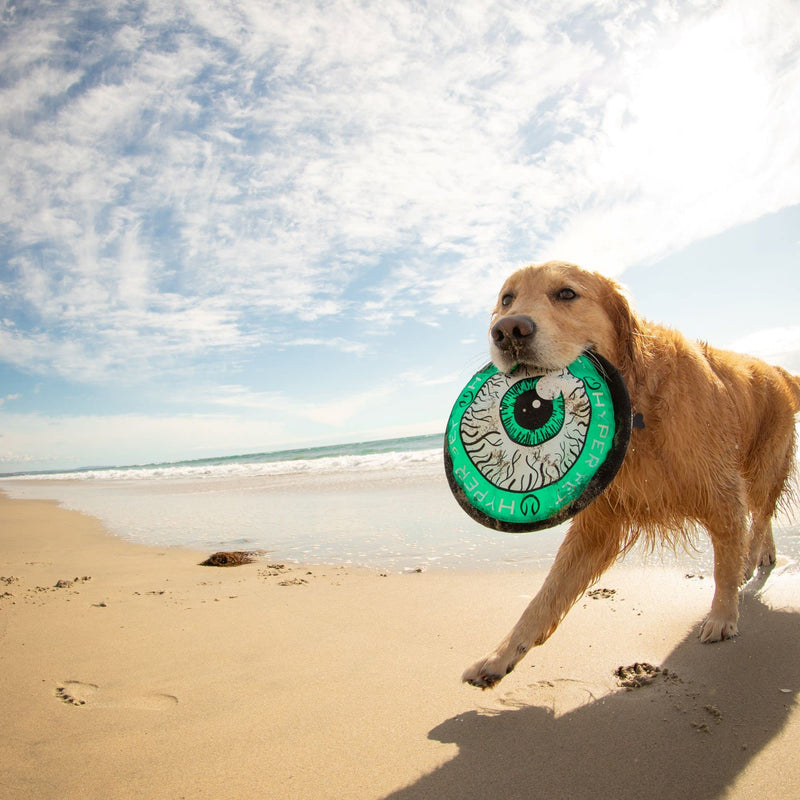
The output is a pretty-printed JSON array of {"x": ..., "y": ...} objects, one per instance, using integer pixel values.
[{"x": 512, "y": 330}]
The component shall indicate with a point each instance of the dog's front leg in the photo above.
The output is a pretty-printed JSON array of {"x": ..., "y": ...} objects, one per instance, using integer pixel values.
[{"x": 587, "y": 551}]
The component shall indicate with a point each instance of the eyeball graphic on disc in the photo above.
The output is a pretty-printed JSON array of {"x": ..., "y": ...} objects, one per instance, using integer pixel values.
[{"x": 527, "y": 450}]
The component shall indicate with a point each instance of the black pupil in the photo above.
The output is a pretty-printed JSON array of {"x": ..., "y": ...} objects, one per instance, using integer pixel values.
[{"x": 532, "y": 411}]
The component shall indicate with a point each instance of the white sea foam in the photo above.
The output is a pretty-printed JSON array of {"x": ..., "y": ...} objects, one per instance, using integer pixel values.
[{"x": 235, "y": 468}]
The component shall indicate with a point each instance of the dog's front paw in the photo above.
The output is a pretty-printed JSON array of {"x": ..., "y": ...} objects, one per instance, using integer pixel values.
[
  {"x": 486, "y": 673},
  {"x": 717, "y": 628},
  {"x": 491, "y": 670}
]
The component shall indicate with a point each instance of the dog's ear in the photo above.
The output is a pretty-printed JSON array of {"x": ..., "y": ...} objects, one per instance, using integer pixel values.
[{"x": 626, "y": 326}]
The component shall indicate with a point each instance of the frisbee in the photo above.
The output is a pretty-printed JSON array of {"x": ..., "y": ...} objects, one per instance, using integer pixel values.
[{"x": 529, "y": 449}]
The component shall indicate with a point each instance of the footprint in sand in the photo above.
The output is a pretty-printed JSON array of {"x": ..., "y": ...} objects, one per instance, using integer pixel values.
[
  {"x": 76, "y": 693},
  {"x": 561, "y": 695},
  {"x": 80, "y": 693}
]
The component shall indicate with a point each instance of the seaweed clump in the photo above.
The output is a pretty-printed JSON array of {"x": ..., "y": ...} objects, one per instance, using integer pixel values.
[{"x": 231, "y": 558}]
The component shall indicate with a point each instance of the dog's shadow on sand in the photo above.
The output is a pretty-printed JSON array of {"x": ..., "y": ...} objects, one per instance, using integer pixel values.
[{"x": 685, "y": 736}]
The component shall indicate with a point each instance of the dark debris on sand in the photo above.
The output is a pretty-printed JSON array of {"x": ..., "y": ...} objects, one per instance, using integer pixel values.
[
  {"x": 601, "y": 594},
  {"x": 231, "y": 558}
]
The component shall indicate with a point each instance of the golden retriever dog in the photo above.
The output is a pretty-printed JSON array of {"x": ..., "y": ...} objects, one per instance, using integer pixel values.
[{"x": 716, "y": 449}]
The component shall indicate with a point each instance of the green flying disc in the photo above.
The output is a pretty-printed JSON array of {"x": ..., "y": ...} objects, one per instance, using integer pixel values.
[{"x": 530, "y": 449}]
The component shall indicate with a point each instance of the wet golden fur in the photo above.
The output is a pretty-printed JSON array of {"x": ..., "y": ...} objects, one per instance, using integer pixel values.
[{"x": 716, "y": 452}]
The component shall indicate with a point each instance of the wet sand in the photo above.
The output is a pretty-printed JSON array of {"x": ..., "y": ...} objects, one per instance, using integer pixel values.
[{"x": 129, "y": 671}]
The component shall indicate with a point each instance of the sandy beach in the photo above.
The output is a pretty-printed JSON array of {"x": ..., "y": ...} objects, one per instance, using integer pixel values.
[{"x": 132, "y": 672}]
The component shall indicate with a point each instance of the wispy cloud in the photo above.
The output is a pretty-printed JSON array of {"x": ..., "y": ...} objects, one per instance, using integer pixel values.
[
  {"x": 334, "y": 342},
  {"x": 331, "y": 408},
  {"x": 96, "y": 439},
  {"x": 183, "y": 179}
]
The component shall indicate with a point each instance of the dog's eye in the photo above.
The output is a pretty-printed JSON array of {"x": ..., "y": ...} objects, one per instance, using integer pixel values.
[
  {"x": 566, "y": 294},
  {"x": 506, "y": 300}
]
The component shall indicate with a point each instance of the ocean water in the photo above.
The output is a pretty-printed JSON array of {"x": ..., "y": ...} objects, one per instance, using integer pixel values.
[{"x": 383, "y": 505}]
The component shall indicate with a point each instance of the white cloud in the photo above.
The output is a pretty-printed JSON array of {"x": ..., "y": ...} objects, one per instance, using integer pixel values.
[
  {"x": 420, "y": 379},
  {"x": 697, "y": 138},
  {"x": 341, "y": 412},
  {"x": 776, "y": 345},
  {"x": 121, "y": 345},
  {"x": 330, "y": 137},
  {"x": 179, "y": 190},
  {"x": 335, "y": 343}
]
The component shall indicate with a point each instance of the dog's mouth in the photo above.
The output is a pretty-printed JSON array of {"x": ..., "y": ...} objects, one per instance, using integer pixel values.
[
  {"x": 530, "y": 357},
  {"x": 508, "y": 362}
]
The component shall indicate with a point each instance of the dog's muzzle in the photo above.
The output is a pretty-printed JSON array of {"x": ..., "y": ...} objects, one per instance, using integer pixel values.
[{"x": 513, "y": 335}]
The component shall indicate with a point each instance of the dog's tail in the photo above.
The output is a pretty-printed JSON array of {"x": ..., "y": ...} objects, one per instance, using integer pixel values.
[{"x": 793, "y": 384}]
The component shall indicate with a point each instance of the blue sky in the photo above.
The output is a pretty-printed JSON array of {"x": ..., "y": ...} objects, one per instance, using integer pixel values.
[{"x": 236, "y": 226}]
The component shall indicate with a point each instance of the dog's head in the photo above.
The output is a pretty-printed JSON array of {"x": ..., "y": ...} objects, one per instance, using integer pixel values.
[{"x": 547, "y": 315}]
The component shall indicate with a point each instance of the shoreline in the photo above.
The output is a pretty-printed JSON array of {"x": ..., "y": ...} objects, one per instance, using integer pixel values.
[
  {"x": 375, "y": 519},
  {"x": 130, "y": 671}
]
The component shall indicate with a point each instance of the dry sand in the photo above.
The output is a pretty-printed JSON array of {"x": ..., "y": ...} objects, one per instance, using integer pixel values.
[{"x": 133, "y": 672}]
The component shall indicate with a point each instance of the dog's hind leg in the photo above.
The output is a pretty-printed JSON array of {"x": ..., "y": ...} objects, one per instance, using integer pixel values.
[
  {"x": 728, "y": 531},
  {"x": 587, "y": 551},
  {"x": 770, "y": 472},
  {"x": 769, "y": 553},
  {"x": 761, "y": 552}
]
